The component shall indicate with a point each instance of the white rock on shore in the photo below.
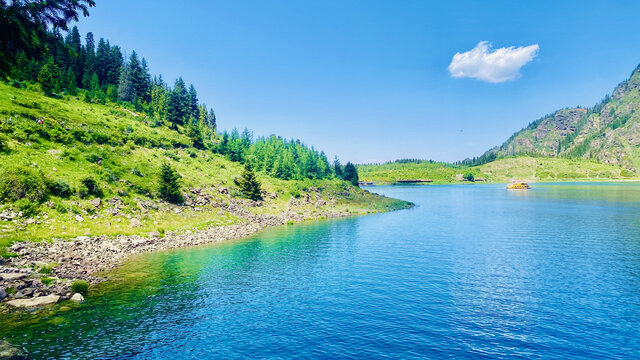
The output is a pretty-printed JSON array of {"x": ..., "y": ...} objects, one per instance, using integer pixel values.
[
  {"x": 77, "y": 297},
  {"x": 36, "y": 301}
]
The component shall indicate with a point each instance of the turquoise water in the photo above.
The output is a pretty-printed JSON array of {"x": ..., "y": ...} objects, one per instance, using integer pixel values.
[{"x": 473, "y": 271}]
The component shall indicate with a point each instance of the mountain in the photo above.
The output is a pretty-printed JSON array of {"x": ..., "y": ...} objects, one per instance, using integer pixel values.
[{"x": 609, "y": 132}]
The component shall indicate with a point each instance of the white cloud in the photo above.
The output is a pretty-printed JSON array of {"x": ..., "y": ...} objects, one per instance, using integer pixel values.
[{"x": 494, "y": 66}]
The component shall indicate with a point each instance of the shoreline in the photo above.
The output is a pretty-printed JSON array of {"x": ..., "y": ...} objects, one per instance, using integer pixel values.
[
  {"x": 582, "y": 180},
  {"x": 91, "y": 258}
]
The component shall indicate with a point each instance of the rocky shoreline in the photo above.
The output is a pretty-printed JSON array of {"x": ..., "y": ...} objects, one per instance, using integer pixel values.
[{"x": 22, "y": 283}]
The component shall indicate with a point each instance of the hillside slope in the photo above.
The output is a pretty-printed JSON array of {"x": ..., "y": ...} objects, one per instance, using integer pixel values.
[
  {"x": 51, "y": 146},
  {"x": 609, "y": 132}
]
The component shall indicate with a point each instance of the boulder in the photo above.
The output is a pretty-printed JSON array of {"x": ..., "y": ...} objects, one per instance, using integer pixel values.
[
  {"x": 3, "y": 294},
  {"x": 77, "y": 297},
  {"x": 79, "y": 218},
  {"x": 12, "y": 276},
  {"x": 134, "y": 223},
  {"x": 11, "y": 352},
  {"x": 36, "y": 301},
  {"x": 96, "y": 202}
]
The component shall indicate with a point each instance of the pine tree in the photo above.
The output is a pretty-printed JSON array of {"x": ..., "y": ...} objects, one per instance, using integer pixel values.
[
  {"x": 96, "y": 93},
  {"x": 177, "y": 106},
  {"x": 49, "y": 76},
  {"x": 193, "y": 101},
  {"x": 195, "y": 132},
  {"x": 114, "y": 65},
  {"x": 102, "y": 61},
  {"x": 249, "y": 185},
  {"x": 337, "y": 168},
  {"x": 23, "y": 25},
  {"x": 351, "y": 174},
  {"x": 125, "y": 86},
  {"x": 169, "y": 184}
]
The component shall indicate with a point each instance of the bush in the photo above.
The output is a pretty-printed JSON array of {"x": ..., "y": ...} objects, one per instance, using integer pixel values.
[
  {"x": 169, "y": 184},
  {"x": 90, "y": 187},
  {"x": 4, "y": 144},
  {"x": 46, "y": 280},
  {"x": 626, "y": 173},
  {"x": 80, "y": 286},
  {"x": 22, "y": 183},
  {"x": 60, "y": 188},
  {"x": 45, "y": 269},
  {"x": 27, "y": 207},
  {"x": 469, "y": 177}
]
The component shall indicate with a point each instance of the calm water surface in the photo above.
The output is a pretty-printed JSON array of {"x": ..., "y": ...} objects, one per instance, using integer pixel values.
[{"x": 473, "y": 271}]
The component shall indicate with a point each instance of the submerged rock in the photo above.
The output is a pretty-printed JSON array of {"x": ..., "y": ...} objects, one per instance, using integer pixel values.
[
  {"x": 36, "y": 301},
  {"x": 11, "y": 352}
]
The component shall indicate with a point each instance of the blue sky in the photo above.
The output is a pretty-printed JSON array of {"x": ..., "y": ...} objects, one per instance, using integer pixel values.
[{"x": 369, "y": 81}]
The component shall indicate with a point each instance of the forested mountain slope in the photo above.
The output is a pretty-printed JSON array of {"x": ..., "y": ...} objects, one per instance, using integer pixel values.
[{"x": 608, "y": 132}]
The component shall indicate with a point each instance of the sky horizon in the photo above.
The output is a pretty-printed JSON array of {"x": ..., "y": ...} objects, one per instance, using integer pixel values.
[{"x": 378, "y": 81}]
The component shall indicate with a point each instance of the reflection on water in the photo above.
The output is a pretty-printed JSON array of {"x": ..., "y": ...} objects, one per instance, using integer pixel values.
[{"x": 472, "y": 271}]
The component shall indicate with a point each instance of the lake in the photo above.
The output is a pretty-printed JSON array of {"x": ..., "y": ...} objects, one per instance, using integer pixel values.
[{"x": 473, "y": 271}]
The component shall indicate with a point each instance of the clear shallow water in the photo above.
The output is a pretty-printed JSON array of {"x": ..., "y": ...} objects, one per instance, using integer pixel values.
[{"x": 473, "y": 271}]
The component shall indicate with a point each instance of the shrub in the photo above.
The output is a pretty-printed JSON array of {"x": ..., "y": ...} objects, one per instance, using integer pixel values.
[
  {"x": 469, "y": 177},
  {"x": 45, "y": 269},
  {"x": 59, "y": 206},
  {"x": 80, "y": 286},
  {"x": 169, "y": 184},
  {"x": 93, "y": 158},
  {"x": 27, "y": 207},
  {"x": 172, "y": 155},
  {"x": 626, "y": 173},
  {"x": 90, "y": 187},
  {"x": 4, "y": 144},
  {"x": 46, "y": 280},
  {"x": 60, "y": 188},
  {"x": 22, "y": 183},
  {"x": 161, "y": 231}
]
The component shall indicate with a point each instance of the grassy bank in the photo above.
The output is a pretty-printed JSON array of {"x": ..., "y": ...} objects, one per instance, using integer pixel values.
[
  {"x": 501, "y": 170},
  {"x": 67, "y": 154}
]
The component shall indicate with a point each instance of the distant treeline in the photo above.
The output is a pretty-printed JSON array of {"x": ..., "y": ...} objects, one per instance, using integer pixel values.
[{"x": 33, "y": 50}]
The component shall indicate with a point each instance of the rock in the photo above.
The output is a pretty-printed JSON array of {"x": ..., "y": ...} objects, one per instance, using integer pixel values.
[
  {"x": 36, "y": 301},
  {"x": 77, "y": 297},
  {"x": 11, "y": 352},
  {"x": 3, "y": 294},
  {"x": 96, "y": 202},
  {"x": 154, "y": 234},
  {"x": 79, "y": 218},
  {"x": 12, "y": 276},
  {"x": 135, "y": 223},
  {"x": 30, "y": 221},
  {"x": 82, "y": 238}
]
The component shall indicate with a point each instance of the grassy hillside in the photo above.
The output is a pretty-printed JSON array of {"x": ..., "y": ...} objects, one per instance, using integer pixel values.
[
  {"x": 51, "y": 146},
  {"x": 501, "y": 170},
  {"x": 426, "y": 170},
  {"x": 608, "y": 132},
  {"x": 552, "y": 169}
]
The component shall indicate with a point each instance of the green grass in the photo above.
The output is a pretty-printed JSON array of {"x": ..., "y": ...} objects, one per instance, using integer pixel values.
[
  {"x": 553, "y": 169},
  {"x": 122, "y": 153},
  {"x": 501, "y": 170},
  {"x": 438, "y": 172}
]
